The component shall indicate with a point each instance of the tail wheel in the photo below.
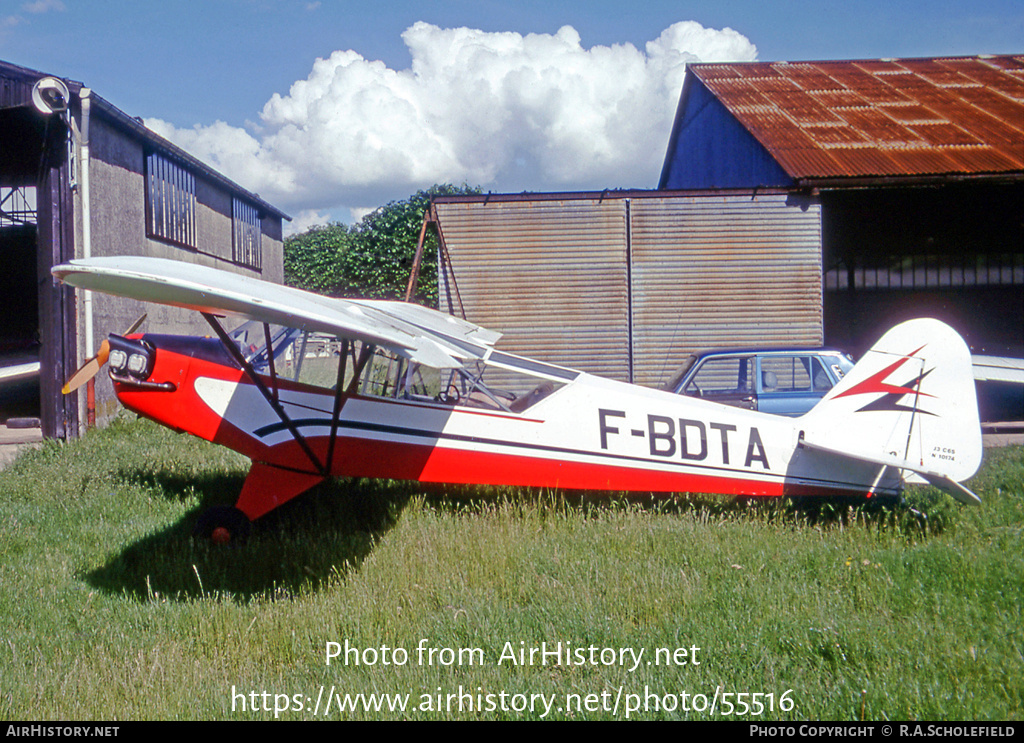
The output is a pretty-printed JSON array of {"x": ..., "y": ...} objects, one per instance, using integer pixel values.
[{"x": 223, "y": 525}]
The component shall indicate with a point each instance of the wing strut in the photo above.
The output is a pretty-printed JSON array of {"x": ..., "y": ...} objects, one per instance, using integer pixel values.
[
  {"x": 270, "y": 359},
  {"x": 340, "y": 393},
  {"x": 267, "y": 394}
]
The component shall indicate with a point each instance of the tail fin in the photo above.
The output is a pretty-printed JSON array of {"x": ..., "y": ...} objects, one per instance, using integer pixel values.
[{"x": 909, "y": 403}]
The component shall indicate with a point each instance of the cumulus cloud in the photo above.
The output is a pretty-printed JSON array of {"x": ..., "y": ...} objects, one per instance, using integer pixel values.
[
  {"x": 34, "y": 8},
  {"x": 506, "y": 111},
  {"x": 43, "y": 6}
]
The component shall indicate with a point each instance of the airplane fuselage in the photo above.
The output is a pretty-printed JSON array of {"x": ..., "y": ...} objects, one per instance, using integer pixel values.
[{"x": 591, "y": 433}]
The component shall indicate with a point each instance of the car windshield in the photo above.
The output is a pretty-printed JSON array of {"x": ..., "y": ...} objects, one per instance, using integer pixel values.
[{"x": 677, "y": 376}]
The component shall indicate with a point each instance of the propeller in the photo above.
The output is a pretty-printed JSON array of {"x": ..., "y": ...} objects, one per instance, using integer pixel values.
[{"x": 91, "y": 368}]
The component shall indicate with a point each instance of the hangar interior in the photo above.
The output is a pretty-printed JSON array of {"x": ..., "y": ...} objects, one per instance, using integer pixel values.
[
  {"x": 952, "y": 252},
  {"x": 947, "y": 251},
  {"x": 20, "y": 170}
]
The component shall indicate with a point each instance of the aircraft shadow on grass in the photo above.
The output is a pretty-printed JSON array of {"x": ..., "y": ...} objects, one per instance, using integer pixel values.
[
  {"x": 327, "y": 534},
  {"x": 300, "y": 547}
]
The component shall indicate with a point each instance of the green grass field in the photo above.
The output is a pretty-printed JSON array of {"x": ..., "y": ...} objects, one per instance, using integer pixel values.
[{"x": 689, "y": 609}]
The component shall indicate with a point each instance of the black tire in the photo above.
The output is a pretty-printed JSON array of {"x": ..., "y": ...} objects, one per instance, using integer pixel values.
[{"x": 223, "y": 525}]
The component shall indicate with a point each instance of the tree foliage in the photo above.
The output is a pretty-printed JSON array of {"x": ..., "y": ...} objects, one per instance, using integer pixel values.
[
  {"x": 372, "y": 258},
  {"x": 313, "y": 259}
]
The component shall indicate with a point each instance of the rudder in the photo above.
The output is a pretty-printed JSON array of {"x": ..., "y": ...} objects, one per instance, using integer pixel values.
[{"x": 910, "y": 403}]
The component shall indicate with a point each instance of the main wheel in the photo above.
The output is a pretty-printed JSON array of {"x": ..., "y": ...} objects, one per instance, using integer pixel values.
[{"x": 223, "y": 525}]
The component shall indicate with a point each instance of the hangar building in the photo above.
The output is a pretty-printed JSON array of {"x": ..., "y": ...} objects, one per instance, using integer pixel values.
[
  {"x": 799, "y": 203},
  {"x": 80, "y": 177},
  {"x": 918, "y": 167}
]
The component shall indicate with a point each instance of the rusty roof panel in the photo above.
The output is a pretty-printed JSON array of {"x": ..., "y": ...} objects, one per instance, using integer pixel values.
[
  {"x": 1009, "y": 85},
  {"x": 984, "y": 158},
  {"x": 809, "y": 158},
  {"x": 1006, "y": 63},
  {"x": 811, "y": 77},
  {"x": 846, "y": 98},
  {"x": 936, "y": 73},
  {"x": 901, "y": 117},
  {"x": 879, "y": 128},
  {"x": 995, "y": 105},
  {"x": 876, "y": 66},
  {"x": 882, "y": 94},
  {"x": 865, "y": 160},
  {"x": 717, "y": 71},
  {"x": 826, "y": 136},
  {"x": 769, "y": 85},
  {"x": 913, "y": 114},
  {"x": 741, "y": 94},
  {"x": 922, "y": 160},
  {"x": 944, "y": 134}
]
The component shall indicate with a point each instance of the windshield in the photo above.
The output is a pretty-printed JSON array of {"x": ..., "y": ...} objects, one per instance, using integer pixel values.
[{"x": 672, "y": 385}]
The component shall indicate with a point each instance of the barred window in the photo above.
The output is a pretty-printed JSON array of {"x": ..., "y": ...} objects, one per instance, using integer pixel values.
[
  {"x": 246, "y": 234},
  {"x": 929, "y": 272},
  {"x": 170, "y": 202}
]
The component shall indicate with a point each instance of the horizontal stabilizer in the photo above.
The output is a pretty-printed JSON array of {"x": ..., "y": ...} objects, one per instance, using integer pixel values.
[
  {"x": 954, "y": 488},
  {"x": 942, "y": 482},
  {"x": 998, "y": 369}
]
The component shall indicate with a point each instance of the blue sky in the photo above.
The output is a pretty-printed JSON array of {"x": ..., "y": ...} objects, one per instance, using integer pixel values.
[{"x": 237, "y": 81}]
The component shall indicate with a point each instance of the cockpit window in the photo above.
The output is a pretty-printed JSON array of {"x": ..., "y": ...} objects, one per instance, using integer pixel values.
[{"x": 513, "y": 384}]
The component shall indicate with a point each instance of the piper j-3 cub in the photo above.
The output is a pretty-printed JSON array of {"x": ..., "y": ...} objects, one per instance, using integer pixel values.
[{"x": 311, "y": 387}]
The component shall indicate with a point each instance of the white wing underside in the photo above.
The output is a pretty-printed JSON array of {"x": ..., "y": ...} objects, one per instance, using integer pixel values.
[
  {"x": 421, "y": 334},
  {"x": 998, "y": 369},
  {"x": 937, "y": 479}
]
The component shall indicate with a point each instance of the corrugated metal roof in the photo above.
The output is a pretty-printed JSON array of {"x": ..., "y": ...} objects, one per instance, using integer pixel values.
[{"x": 908, "y": 117}]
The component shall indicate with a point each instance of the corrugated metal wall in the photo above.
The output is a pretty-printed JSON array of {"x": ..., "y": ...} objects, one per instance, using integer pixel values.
[
  {"x": 550, "y": 275},
  {"x": 719, "y": 271},
  {"x": 626, "y": 285}
]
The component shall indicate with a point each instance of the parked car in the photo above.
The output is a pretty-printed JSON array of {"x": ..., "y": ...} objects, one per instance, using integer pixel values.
[{"x": 784, "y": 381}]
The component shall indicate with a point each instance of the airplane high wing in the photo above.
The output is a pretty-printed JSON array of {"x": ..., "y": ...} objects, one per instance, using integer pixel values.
[
  {"x": 414, "y": 332},
  {"x": 311, "y": 387}
]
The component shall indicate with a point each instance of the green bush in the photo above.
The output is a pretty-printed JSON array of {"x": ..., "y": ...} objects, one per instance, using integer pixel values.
[{"x": 372, "y": 258}]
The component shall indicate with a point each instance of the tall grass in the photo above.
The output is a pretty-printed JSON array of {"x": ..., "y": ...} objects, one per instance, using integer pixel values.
[{"x": 110, "y": 610}]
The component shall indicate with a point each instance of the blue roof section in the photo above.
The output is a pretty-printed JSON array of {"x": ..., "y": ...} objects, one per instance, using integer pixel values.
[
  {"x": 709, "y": 148},
  {"x": 832, "y": 122}
]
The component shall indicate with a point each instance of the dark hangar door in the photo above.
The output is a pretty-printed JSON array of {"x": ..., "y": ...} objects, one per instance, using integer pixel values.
[{"x": 36, "y": 318}]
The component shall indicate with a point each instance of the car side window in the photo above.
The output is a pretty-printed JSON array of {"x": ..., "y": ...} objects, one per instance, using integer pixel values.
[
  {"x": 819, "y": 377},
  {"x": 721, "y": 376},
  {"x": 787, "y": 373}
]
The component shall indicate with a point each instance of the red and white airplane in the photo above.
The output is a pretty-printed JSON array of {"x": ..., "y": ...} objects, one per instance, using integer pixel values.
[{"x": 406, "y": 392}]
